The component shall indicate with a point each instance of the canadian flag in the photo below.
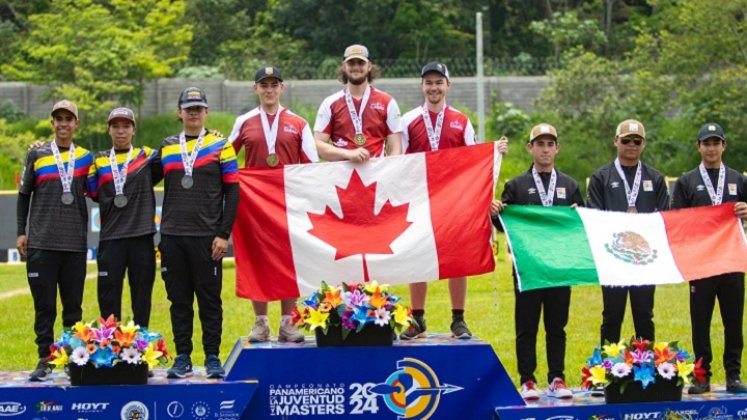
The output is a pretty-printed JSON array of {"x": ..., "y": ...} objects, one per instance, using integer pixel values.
[{"x": 399, "y": 219}]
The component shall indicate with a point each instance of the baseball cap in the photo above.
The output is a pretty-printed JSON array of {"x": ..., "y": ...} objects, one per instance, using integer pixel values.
[
  {"x": 66, "y": 105},
  {"x": 356, "y": 51},
  {"x": 630, "y": 128},
  {"x": 436, "y": 67},
  {"x": 711, "y": 130},
  {"x": 542, "y": 130},
  {"x": 192, "y": 96},
  {"x": 122, "y": 113},
  {"x": 267, "y": 72}
]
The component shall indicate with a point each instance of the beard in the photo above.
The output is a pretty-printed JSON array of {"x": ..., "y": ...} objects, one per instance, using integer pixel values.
[{"x": 357, "y": 80}]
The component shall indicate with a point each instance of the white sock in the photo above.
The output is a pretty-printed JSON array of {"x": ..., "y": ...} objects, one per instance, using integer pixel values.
[
  {"x": 262, "y": 319},
  {"x": 285, "y": 320}
]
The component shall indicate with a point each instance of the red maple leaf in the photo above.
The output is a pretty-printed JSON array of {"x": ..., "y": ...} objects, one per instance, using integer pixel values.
[{"x": 359, "y": 230}]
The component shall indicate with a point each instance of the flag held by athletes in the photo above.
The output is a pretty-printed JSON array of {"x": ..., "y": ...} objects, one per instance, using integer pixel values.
[
  {"x": 400, "y": 219},
  {"x": 560, "y": 246}
]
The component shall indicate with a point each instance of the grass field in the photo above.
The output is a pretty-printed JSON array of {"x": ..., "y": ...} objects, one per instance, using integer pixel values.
[{"x": 489, "y": 313}]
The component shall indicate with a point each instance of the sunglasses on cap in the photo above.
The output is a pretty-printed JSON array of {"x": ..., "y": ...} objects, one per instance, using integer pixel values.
[{"x": 626, "y": 140}]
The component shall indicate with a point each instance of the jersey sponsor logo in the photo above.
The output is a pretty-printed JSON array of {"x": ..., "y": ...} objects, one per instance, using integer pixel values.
[
  {"x": 700, "y": 188},
  {"x": 648, "y": 185},
  {"x": 33, "y": 275},
  {"x": 377, "y": 106},
  {"x": 103, "y": 274},
  {"x": 560, "y": 192},
  {"x": 290, "y": 129},
  {"x": 457, "y": 125},
  {"x": 732, "y": 189},
  {"x": 614, "y": 184},
  {"x": 532, "y": 191},
  {"x": 340, "y": 143}
]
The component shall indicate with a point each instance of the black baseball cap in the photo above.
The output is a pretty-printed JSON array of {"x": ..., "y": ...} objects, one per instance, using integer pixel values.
[
  {"x": 192, "y": 96},
  {"x": 266, "y": 73},
  {"x": 709, "y": 130},
  {"x": 437, "y": 67},
  {"x": 121, "y": 113}
]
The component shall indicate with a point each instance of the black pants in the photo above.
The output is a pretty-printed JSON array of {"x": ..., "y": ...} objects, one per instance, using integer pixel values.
[
  {"x": 729, "y": 289},
  {"x": 188, "y": 271},
  {"x": 46, "y": 270},
  {"x": 641, "y": 304},
  {"x": 553, "y": 303},
  {"x": 137, "y": 257}
]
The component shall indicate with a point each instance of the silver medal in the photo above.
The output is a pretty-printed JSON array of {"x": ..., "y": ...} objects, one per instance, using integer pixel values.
[
  {"x": 120, "y": 201},
  {"x": 67, "y": 198},
  {"x": 187, "y": 182}
]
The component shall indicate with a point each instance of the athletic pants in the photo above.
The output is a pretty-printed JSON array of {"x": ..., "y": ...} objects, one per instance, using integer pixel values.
[
  {"x": 188, "y": 271},
  {"x": 553, "y": 303},
  {"x": 729, "y": 289},
  {"x": 615, "y": 299},
  {"x": 137, "y": 257},
  {"x": 46, "y": 270}
]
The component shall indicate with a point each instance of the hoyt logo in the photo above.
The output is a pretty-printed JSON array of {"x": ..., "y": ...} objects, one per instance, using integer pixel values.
[
  {"x": 89, "y": 407},
  {"x": 643, "y": 416},
  {"x": 11, "y": 408}
]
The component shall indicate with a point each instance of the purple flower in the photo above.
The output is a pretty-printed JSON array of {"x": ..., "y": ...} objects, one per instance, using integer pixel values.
[
  {"x": 347, "y": 323},
  {"x": 607, "y": 364},
  {"x": 103, "y": 333},
  {"x": 355, "y": 298},
  {"x": 141, "y": 344},
  {"x": 642, "y": 356}
]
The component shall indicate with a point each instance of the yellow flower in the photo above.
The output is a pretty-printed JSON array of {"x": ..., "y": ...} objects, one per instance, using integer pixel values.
[
  {"x": 400, "y": 316},
  {"x": 333, "y": 297},
  {"x": 151, "y": 356},
  {"x": 60, "y": 357},
  {"x": 79, "y": 327},
  {"x": 684, "y": 370},
  {"x": 377, "y": 300},
  {"x": 661, "y": 346},
  {"x": 130, "y": 328},
  {"x": 614, "y": 349},
  {"x": 316, "y": 319},
  {"x": 372, "y": 287},
  {"x": 598, "y": 375}
]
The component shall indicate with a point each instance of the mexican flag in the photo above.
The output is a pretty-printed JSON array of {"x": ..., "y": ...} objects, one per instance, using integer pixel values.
[
  {"x": 561, "y": 246},
  {"x": 399, "y": 219}
]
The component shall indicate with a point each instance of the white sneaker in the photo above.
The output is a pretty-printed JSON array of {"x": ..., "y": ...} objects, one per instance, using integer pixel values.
[
  {"x": 529, "y": 391},
  {"x": 260, "y": 333},
  {"x": 290, "y": 334},
  {"x": 558, "y": 389}
]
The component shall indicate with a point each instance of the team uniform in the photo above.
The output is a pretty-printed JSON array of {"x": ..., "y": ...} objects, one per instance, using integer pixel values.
[
  {"x": 381, "y": 117},
  {"x": 690, "y": 191},
  {"x": 57, "y": 238},
  {"x": 553, "y": 301},
  {"x": 607, "y": 192},
  {"x": 126, "y": 238},
  {"x": 294, "y": 144},
  {"x": 192, "y": 217},
  {"x": 456, "y": 131}
]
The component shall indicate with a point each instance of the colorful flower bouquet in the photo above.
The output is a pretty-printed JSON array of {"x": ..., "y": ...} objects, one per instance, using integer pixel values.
[
  {"x": 346, "y": 315},
  {"x": 640, "y": 370},
  {"x": 123, "y": 349}
]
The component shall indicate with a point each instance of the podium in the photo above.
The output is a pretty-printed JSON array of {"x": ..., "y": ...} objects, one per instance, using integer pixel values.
[{"x": 438, "y": 378}]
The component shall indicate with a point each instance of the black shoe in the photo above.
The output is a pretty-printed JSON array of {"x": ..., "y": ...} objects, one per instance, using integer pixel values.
[
  {"x": 42, "y": 371},
  {"x": 735, "y": 386},
  {"x": 459, "y": 329},
  {"x": 699, "y": 388},
  {"x": 213, "y": 367},
  {"x": 415, "y": 330},
  {"x": 182, "y": 367}
]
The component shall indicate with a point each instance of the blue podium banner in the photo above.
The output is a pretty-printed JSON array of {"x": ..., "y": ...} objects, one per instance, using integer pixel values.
[
  {"x": 437, "y": 378},
  {"x": 197, "y": 399}
]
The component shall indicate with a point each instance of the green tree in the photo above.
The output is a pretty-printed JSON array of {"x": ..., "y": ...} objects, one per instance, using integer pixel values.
[{"x": 101, "y": 54}]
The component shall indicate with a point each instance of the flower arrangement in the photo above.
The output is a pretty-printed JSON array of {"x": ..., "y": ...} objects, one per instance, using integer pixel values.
[
  {"x": 352, "y": 307},
  {"x": 642, "y": 361},
  {"x": 106, "y": 343}
]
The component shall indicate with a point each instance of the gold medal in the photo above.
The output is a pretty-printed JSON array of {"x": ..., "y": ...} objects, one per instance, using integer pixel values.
[
  {"x": 360, "y": 139},
  {"x": 632, "y": 210},
  {"x": 272, "y": 160}
]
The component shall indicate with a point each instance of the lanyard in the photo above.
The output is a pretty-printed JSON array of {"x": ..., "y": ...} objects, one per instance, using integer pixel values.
[
  {"x": 631, "y": 194},
  {"x": 716, "y": 196},
  {"x": 434, "y": 135},
  {"x": 66, "y": 175},
  {"x": 188, "y": 160},
  {"x": 120, "y": 177},
  {"x": 546, "y": 197}
]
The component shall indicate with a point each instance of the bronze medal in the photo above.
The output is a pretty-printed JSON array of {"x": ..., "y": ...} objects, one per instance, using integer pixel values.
[
  {"x": 272, "y": 160},
  {"x": 360, "y": 139},
  {"x": 632, "y": 210}
]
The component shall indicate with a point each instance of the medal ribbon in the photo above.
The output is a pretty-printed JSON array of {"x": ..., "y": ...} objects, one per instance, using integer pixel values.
[
  {"x": 356, "y": 117},
  {"x": 66, "y": 175},
  {"x": 434, "y": 135},
  {"x": 188, "y": 160},
  {"x": 119, "y": 177},
  {"x": 546, "y": 197},
  {"x": 716, "y": 196},
  {"x": 271, "y": 134},
  {"x": 631, "y": 194}
]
